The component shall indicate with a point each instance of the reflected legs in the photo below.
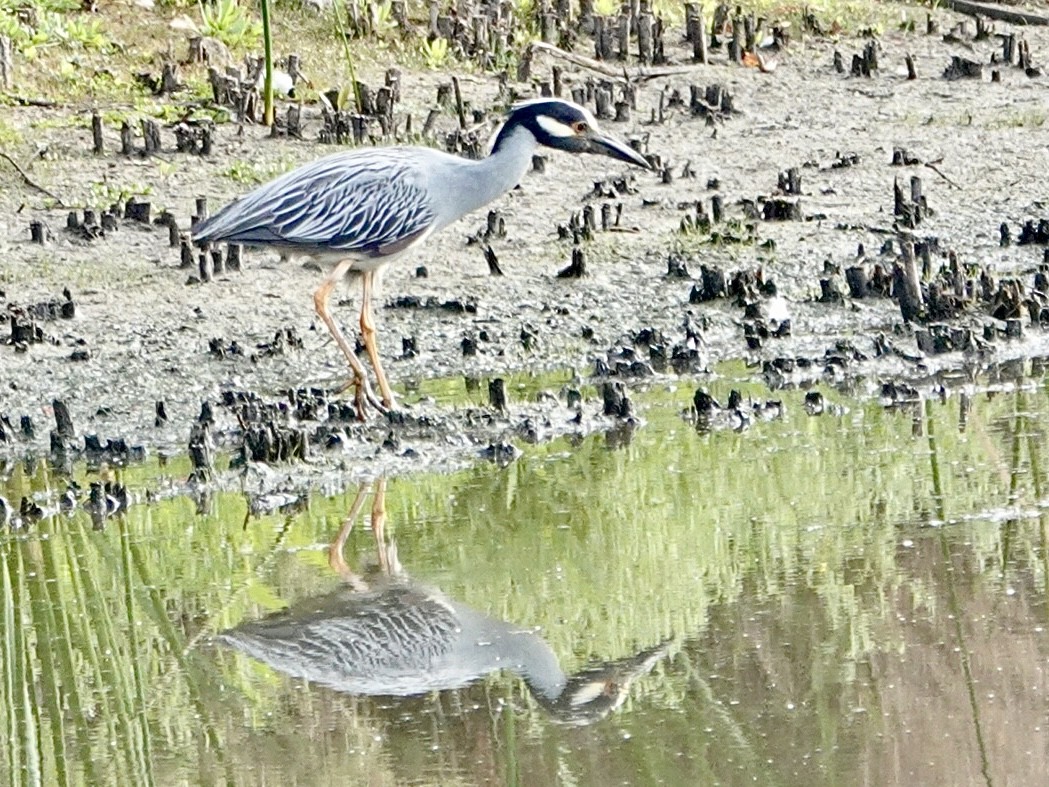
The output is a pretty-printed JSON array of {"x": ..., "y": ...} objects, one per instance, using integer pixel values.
[{"x": 387, "y": 554}]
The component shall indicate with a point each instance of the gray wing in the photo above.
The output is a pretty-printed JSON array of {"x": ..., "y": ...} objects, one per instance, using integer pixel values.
[
  {"x": 371, "y": 202},
  {"x": 343, "y": 633}
]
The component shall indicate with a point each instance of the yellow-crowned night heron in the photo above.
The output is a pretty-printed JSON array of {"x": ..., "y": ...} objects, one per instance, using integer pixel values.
[
  {"x": 361, "y": 209},
  {"x": 397, "y": 637}
]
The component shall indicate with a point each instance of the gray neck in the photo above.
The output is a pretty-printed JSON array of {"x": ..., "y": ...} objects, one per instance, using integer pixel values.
[
  {"x": 494, "y": 644},
  {"x": 491, "y": 177},
  {"x": 533, "y": 660}
]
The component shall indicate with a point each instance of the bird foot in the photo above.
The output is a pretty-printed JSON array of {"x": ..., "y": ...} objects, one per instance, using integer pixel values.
[
  {"x": 364, "y": 397},
  {"x": 373, "y": 400}
]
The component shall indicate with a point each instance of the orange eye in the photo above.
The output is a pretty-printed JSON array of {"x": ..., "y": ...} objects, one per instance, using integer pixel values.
[{"x": 579, "y": 127}]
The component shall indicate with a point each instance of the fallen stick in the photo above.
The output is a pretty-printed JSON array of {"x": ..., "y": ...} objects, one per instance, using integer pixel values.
[
  {"x": 618, "y": 74},
  {"x": 29, "y": 182},
  {"x": 26, "y": 101},
  {"x": 996, "y": 12},
  {"x": 932, "y": 165}
]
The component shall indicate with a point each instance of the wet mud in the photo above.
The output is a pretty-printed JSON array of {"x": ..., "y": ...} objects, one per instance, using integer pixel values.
[{"x": 879, "y": 227}]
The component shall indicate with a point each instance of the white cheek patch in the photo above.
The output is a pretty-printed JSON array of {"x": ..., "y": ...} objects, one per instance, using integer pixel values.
[
  {"x": 554, "y": 128},
  {"x": 587, "y": 693}
]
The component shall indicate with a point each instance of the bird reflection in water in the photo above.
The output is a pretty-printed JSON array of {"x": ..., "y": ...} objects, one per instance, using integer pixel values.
[{"x": 393, "y": 636}]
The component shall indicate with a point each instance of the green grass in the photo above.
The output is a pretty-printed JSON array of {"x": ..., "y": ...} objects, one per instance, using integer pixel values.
[
  {"x": 10, "y": 136},
  {"x": 35, "y": 25},
  {"x": 251, "y": 173}
]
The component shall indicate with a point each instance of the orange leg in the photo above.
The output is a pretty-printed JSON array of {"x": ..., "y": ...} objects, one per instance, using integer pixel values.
[
  {"x": 336, "y": 557},
  {"x": 379, "y": 523},
  {"x": 364, "y": 394},
  {"x": 368, "y": 332}
]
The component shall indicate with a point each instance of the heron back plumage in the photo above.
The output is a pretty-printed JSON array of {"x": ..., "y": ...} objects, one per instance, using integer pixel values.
[
  {"x": 345, "y": 636},
  {"x": 373, "y": 202}
]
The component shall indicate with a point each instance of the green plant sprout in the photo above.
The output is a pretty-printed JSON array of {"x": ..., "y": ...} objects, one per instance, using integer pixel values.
[
  {"x": 435, "y": 53},
  {"x": 267, "y": 85},
  {"x": 230, "y": 23},
  {"x": 337, "y": 12}
]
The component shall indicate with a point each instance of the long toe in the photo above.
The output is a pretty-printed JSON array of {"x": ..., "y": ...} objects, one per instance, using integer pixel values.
[
  {"x": 364, "y": 397},
  {"x": 380, "y": 405},
  {"x": 359, "y": 402}
]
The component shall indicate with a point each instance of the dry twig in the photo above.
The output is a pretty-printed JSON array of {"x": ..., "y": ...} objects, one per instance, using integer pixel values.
[
  {"x": 618, "y": 74},
  {"x": 996, "y": 12},
  {"x": 932, "y": 165},
  {"x": 29, "y": 181}
]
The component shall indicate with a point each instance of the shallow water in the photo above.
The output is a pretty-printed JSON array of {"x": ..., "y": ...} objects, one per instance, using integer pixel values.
[{"x": 852, "y": 598}]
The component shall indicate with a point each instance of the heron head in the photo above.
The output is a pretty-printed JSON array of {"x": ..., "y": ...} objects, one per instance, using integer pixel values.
[
  {"x": 596, "y": 691},
  {"x": 563, "y": 125}
]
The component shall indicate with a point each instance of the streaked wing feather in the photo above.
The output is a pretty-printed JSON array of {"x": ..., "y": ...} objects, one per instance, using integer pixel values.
[
  {"x": 365, "y": 202},
  {"x": 396, "y": 628}
]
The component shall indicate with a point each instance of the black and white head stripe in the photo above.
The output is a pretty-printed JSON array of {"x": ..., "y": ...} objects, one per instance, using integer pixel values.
[
  {"x": 563, "y": 125},
  {"x": 548, "y": 120},
  {"x": 553, "y": 117},
  {"x": 557, "y": 127}
]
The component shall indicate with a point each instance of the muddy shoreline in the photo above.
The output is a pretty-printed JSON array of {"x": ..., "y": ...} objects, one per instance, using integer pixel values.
[{"x": 144, "y": 332}]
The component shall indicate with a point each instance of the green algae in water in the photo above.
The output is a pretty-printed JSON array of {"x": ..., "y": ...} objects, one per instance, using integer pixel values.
[{"x": 854, "y": 594}]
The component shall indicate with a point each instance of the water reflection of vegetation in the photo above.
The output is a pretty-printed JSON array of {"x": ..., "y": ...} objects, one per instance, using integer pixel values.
[{"x": 810, "y": 565}]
